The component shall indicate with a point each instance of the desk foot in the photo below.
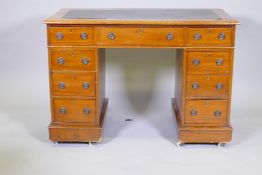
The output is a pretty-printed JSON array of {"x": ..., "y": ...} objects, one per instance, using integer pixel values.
[
  {"x": 221, "y": 144},
  {"x": 179, "y": 144}
]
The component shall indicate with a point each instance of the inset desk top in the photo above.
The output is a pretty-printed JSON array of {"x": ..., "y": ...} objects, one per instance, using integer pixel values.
[{"x": 142, "y": 16}]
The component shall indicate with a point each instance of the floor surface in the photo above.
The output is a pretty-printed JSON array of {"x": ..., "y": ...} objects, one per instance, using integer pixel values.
[{"x": 146, "y": 145}]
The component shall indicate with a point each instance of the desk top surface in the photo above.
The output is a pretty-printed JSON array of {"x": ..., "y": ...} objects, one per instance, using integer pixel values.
[{"x": 142, "y": 16}]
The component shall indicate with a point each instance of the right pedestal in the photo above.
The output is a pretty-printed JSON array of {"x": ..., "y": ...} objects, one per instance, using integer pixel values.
[{"x": 203, "y": 95}]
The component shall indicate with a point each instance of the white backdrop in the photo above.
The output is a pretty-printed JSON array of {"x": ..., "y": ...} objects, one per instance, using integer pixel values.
[{"x": 139, "y": 83}]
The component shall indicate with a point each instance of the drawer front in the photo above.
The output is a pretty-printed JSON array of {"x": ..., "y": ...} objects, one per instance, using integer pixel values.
[
  {"x": 210, "y": 36},
  {"x": 117, "y": 36},
  {"x": 208, "y": 62},
  {"x": 207, "y": 87},
  {"x": 73, "y": 84},
  {"x": 71, "y": 36},
  {"x": 67, "y": 110},
  {"x": 73, "y": 60},
  {"x": 206, "y": 112}
]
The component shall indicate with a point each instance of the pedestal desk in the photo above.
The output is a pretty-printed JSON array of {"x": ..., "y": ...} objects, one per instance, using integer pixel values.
[{"x": 204, "y": 39}]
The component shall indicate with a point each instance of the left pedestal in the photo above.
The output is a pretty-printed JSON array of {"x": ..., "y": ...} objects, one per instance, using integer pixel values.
[{"x": 77, "y": 85}]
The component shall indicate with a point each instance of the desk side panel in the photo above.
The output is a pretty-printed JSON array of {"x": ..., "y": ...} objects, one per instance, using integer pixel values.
[{"x": 180, "y": 84}]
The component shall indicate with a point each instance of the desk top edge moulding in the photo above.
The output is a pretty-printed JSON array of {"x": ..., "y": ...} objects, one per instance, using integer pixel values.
[{"x": 204, "y": 39}]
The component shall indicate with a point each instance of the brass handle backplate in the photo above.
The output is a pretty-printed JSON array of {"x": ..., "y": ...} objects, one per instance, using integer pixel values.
[
  {"x": 111, "y": 36},
  {"x": 59, "y": 35}
]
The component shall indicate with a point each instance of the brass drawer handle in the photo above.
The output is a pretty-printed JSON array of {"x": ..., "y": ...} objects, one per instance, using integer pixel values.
[
  {"x": 219, "y": 62},
  {"x": 219, "y": 86},
  {"x": 222, "y": 36},
  {"x": 196, "y": 61},
  {"x": 86, "y": 111},
  {"x": 170, "y": 36},
  {"x": 61, "y": 85},
  {"x": 217, "y": 113},
  {"x": 85, "y": 85},
  {"x": 83, "y": 36},
  {"x": 111, "y": 36},
  {"x": 85, "y": 60},
  {"x": 194, "y": 112},
  {"x": 60, "y": 61},
  {"x": 197, "y": 36},
  {"x": 195, "y": 85},
  {"x": 59, "y": 35},
  {"x": 62, "y": 110}
]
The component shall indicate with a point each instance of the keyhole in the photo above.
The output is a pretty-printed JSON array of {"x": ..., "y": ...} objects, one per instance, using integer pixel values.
[{"x": 140, "y": 31}]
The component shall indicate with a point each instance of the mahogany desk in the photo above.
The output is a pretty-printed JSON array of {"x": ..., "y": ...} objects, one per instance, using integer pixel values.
[{"x": 204, "y": 39}]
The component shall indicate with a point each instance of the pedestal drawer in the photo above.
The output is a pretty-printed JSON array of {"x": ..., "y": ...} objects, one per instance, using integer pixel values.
[
  {"x": 73, "y": 84},
  {"x": 206, "y": 112},
  {"x": 66, "y": 36},
  {"x": 210, "y": 37},
  {"x": 207, "y": 87},
  {"x": 211, "y": 62},
  {"x": 72, "y": 110},
  {"x": 72, "y": 60}
]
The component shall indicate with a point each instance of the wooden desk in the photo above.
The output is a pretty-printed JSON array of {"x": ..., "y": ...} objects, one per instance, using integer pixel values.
[{"x": 204, "y": 40}]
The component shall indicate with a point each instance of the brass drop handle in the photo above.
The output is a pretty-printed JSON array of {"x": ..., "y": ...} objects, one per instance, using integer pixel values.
[
  {"x": 170, "y": 36},
  {"x": 194, "y": 112},
  {"x": 217, "y": 113},
  {"x": 195, "y": 85},
  {"x": 196, "y": 61},
  {"x": 221, "y": 36},
  {"x": 219, "y": 86},
  {"x": 197, "y": 36},
  {"x": 62, "y": 110},
  {"x": 60, "y": 61},
  {"x": 85, "y": 60},
  {"x": 59, "y": 35},
  {"x": 83, "y": 36},
  {"x": 61, "y": 85},
  {"x": 86, "y": 111},
  {"x": 85, "y": 85},
  {"x": 219, "y": 62},
  {"x": 111, "y": 36}
]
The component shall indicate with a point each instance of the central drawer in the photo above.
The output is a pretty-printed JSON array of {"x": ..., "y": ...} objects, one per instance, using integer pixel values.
[
  {"x": 74, "y": 84},
  {"x": 138, "y": 36}
]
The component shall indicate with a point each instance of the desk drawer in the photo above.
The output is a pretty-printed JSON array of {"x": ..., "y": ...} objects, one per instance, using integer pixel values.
[
  {"x": 199, "y": 62},
  {"x": 210, "y": 36},
  {"x": 68, "y": 110},
  {"x": 207, "y": 87},
  {"x": 70, "y": 36},
  {"x": 73, "y": 60},
  {"x": 73, "y": 84},
  {"x": 206, "y": 112},
  {"x": 135, "y": 36}
]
